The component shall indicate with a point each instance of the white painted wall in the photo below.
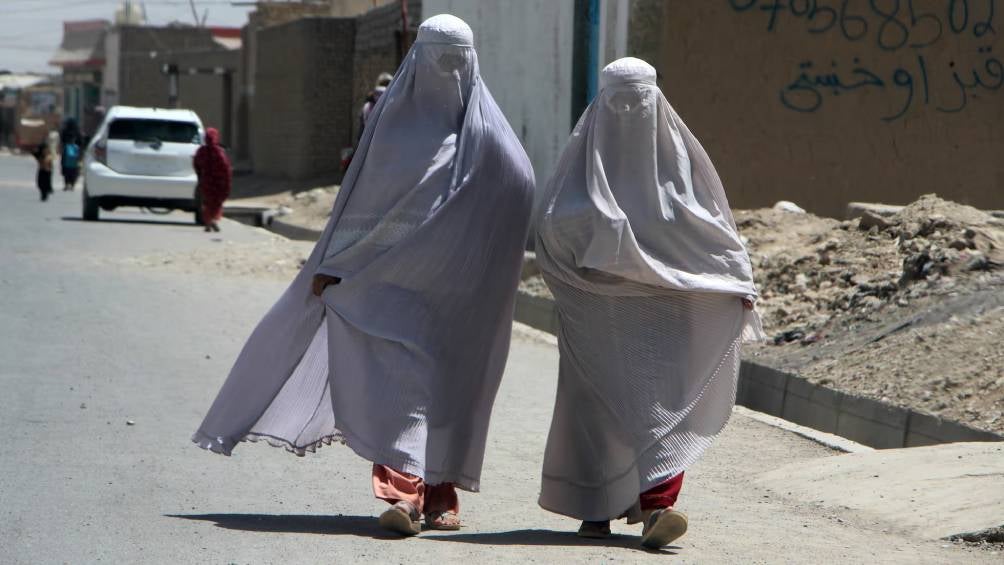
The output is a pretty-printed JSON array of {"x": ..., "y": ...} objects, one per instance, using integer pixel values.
[
  {"x": 110, "y": 76},
  {"x": 525, "y": 52},
  {"x": 614, "y": 15}
]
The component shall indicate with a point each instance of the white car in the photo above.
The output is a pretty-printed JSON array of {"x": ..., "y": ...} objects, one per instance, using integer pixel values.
[{"x": 143, "y": 157}]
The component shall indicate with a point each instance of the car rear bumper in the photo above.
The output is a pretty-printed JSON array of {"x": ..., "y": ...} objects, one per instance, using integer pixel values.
[
  {"x": 112, "y": 202},
  {"x": 104, "y": 182}
]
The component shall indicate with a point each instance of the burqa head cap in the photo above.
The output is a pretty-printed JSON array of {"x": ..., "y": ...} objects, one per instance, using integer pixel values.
[
  {"x": 627, "y": 69},
  {"x": 445, "y": 28}
]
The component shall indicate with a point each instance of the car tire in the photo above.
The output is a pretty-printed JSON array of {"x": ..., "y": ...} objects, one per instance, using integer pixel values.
[
  {"x": 198, "y": 208},
  {"x": 90, "y": 207}
]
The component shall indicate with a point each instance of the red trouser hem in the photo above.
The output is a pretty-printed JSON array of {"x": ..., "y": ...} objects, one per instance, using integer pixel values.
[{"x": 662, "y": 495}]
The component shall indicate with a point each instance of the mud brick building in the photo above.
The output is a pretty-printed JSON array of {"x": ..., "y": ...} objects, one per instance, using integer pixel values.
[{"x": 302, "y": 114}]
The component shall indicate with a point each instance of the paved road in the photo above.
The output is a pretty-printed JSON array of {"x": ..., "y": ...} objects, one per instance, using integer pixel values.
[{"x": 91, "y": 340}]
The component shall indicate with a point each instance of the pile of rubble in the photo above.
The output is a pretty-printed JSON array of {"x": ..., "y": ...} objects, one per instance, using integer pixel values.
[
  {"x": 810, "y": 270},
  {"x": 903, "y": 305},
  {"x": 310, "y": 208}
]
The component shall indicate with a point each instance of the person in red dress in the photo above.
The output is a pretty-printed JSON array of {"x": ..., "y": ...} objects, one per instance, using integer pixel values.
[{"x": 213, "y": 168}]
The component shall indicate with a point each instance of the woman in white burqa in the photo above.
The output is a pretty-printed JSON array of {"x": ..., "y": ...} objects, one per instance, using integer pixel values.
[
  {"x": 394, "y": 335},
  {"x": 654, "y": 294}
]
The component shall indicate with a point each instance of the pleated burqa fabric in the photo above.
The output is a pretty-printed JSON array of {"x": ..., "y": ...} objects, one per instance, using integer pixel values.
[
  {"x": 638, "y": 245},
  {"x": 403, "y": 358}
]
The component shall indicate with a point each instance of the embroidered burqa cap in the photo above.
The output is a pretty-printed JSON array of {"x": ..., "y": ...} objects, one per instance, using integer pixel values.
[
  {"x": 638, "y": 245},
  {"x": 402, "y": 359}
]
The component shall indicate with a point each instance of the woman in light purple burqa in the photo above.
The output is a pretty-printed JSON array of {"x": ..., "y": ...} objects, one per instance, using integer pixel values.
[
  {"x": 655, "y": 295},
  {"x": 393, "y": 337}
]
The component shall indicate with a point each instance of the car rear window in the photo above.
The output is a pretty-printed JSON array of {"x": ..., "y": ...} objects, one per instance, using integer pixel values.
[{"x": 168, "y": 131}]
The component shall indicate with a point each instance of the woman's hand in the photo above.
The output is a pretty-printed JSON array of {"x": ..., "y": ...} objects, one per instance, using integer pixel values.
[{"x": 321, "y": 282}]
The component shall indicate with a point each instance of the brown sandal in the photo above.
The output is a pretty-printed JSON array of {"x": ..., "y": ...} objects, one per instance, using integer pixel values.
[
  {"x": 402, "y": 518},
  {"x": 663, "y": 527},
  {"x": 447, "y": 520}
]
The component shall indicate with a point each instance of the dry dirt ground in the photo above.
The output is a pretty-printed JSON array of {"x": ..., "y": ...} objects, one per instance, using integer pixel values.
[
  {"x": 908, "y": 308},
  {"x": 276, "y": 258}
]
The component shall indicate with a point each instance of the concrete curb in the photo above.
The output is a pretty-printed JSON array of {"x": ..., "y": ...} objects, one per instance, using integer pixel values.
[
  {"x": 247, "y": 214},
  {"x": 832, "y": 441},
  {"x": 796, "y": 400},
  {"x": 290, "y": 230}
]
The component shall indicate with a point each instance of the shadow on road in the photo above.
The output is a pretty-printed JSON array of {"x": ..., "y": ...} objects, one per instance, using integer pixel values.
[
  {"x": 165, "y": 222},
  {"x": 366, "y": 526},
  {"x": 546, "y": 537},
  {"x": 362, "y": 526}
]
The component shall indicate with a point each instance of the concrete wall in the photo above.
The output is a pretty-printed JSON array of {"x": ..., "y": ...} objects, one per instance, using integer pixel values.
[
  {"x": 110, "y": 77},
  {"x": 286, "y": 10},
  {"x": 303, "y": 108},
  {"x": 352, "y": 8},
  {"x": 525, "y": 53},
  {"x": 823, "y": 109},
  {"x": 269, "y": 14},
  {"x": 615, "y": 16}
]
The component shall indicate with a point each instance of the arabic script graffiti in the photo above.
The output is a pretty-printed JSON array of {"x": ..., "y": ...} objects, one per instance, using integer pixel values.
[
  {"x": 808, "y": 91},
  {"x": 967, "y": 27}
]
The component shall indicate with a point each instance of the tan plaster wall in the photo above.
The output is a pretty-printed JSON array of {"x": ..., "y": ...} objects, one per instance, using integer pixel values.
[{"x": 893, "y": 128}]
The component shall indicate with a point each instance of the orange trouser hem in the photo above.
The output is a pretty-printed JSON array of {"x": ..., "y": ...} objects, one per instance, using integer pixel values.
[{"x": 393, "y": 486}]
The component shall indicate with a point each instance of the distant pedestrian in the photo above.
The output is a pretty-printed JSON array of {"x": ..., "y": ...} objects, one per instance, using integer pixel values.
[
  {"x": 71, "y": 141},
  {"x": 383, "y": 81},
  {"x": 394, "y": 336},
  {"x": 70, "y": 164},
  {"x": 43, "y": 156},
  {"x": 70, "y": 132},
  {"x": 654, "y": 293},
  {"x": 372, "y": 97},
  {"x": 215, "y": 176}
]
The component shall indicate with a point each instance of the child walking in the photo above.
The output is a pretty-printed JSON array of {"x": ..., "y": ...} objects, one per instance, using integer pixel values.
[{"x": 44, "y": 178}]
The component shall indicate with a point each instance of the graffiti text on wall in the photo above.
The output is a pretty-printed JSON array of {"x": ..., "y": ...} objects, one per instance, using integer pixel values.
[{"x": 892, "y": 26}]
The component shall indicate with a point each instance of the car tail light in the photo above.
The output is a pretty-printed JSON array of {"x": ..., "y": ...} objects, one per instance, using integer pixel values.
[{"x": 101, "y": 153}]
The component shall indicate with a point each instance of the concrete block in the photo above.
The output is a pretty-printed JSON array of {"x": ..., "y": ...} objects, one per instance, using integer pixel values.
[
  {"x": 290, "y": 230},
  {"x": 811, "y": 405},
  {"x": 762, "y": 388},
  {"x": 924, "y": 429},
  {"x": 536, "y": 312},
  {"x": 871, "y": 422}
]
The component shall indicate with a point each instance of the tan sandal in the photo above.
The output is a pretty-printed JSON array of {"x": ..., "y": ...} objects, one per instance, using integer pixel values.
[
  {"x": 402, "y": 518},
  {"x": 662, "y": 527},
  {"x": 447, "y": 520}
]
